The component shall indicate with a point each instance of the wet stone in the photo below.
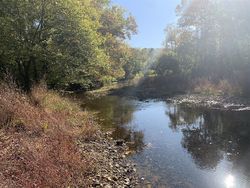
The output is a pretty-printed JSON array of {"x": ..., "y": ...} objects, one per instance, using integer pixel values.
[{"x": 119, "y": 142}]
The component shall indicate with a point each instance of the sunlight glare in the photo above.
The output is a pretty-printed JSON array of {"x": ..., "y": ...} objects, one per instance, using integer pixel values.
[{"x": 229, "y": 181}]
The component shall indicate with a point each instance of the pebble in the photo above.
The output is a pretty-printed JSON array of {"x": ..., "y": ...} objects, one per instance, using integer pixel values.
[
  {"x": 108, "y": 186},
  {"x": 215, "y": 102},
  {"x": 113, "y": 168}
]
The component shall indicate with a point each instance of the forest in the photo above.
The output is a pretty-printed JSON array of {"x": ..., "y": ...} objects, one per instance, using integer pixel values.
[
  {"x": 82, "y": 45},
  {"x": 209, "y": 46},
  {"x": 72, "y": 45}
]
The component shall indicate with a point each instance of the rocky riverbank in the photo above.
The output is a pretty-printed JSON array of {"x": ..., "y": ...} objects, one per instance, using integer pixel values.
[
  {"x": 213, "y": 102},
  {"x": 48, "y": 141},
  {"x": 113, "y": 169}
]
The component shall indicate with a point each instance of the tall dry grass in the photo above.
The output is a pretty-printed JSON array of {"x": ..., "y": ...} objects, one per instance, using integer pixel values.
[
  {"x": 38, "y": 135},
  {"x": 223, "y": 87}
]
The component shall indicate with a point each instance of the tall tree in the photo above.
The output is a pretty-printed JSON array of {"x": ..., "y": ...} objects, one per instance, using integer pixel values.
[
  {"x": 70, "y": 43},
  {"x": 211, "y": 38}
]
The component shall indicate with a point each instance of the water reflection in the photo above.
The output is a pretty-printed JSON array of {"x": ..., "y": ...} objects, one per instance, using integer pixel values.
[
  {"x": 212, "y": 135},
  {"x": 112, "y": 111},
  {"x": 133, "y": 138},
  {"x": 116, "y": 113},
  {"x": 229, "y": 181},
  {"x": 187, "y": 146}
]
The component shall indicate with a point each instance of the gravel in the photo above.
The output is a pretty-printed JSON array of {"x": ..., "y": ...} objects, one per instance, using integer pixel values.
[
  {"x": 112, "y": 167},
  {"x": 213, "y": 102}
]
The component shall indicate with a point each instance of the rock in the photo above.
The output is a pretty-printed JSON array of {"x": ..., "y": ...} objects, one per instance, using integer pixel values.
[
  {"x": 109, "y": 179},
  {"x": 113, "y": 168},
  {"x": 129, "y": 152},
  {"x": 119, "y": 142},
  {"x": 96, "y": 183},
  {"x": 127, "y": 181},
  {"x": 107, "y": 186},
  {"x": 115, "y": 178}
]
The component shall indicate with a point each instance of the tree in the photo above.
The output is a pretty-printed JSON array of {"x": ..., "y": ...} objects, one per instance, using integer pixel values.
[
  {"x": 117, "y": 27},
  {"x": 166, "y": 65},
  {"x": 210, "y": 40},
  {"x": 136, "y": 62},
  {"x": 72, "y": 44}
]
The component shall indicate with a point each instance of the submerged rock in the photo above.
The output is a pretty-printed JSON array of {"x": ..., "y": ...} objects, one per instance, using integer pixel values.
[{"x": 119, "y": 142}]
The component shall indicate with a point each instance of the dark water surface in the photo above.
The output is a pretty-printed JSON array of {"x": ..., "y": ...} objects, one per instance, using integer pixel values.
[{"x": 179, "y": 146}]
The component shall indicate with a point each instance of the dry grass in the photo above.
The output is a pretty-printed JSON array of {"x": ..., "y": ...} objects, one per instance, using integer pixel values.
[
  {"x": 72, "y": 117},
  {"x": 38, "y": 137},
  {"x": 223, "y": 87}
]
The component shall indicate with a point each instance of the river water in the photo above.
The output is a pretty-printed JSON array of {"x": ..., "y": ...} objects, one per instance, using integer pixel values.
[{"x": 179, "y": 146}]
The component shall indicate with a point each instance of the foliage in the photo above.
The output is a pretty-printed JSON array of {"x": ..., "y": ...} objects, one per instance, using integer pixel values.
[
  {"x": 136, "y": 63},
  {"x": 166, "y": 65},
  {"x": 72, "y": 44},
  {"x": 210, "y": 41}
]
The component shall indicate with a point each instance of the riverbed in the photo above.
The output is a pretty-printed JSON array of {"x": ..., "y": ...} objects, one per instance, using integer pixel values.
[{"x": 179, "y": 146}]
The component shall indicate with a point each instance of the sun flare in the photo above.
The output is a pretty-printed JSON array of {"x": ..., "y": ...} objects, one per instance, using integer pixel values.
[{"x": 229, "y": 181}]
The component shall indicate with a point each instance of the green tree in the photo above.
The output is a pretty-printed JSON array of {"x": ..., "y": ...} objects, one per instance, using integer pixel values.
[
  {"x": 116, "y": 26},
  {"x": 72, "y": 44},
  {"x": 167, "y": 65},
  {"x": 210, "y": 40}
]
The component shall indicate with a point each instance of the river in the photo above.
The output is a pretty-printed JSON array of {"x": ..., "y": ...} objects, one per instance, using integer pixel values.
[{"x": 179, "y": 146}]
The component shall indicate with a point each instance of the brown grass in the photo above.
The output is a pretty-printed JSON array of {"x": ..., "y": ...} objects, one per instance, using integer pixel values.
[
  {"x": 223, "y": 87},
  {"x": 38, "y": 137}
]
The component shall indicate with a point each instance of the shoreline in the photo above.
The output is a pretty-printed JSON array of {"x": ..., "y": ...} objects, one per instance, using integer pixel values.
[
  {"x": 112, "y": 167},
  {"x": 54, "y": 143},
  {"x": 231, "y": 103},
  {"x": 222, "y": 102}
]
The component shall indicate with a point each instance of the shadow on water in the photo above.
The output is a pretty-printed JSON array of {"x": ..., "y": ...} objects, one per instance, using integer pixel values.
[
  {"x": 180, "y": 145},
  {"x": 152, "y": 88}
]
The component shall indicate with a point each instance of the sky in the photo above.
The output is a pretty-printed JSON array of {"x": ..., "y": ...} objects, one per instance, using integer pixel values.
[{"x": 152, "y": 17}]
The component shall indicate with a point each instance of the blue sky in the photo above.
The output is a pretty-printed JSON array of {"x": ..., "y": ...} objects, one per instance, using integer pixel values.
[{"x": 152, "y": 17}]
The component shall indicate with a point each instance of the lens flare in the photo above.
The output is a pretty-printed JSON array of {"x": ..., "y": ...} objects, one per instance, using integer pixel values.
[{"x": 230, "y": 181}]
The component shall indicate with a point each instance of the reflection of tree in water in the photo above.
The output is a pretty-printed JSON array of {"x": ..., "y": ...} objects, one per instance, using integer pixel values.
[
  {"x": 205, "y": 153},
  {"x": 135, "y": 139},
  {"x": 111, "y": 110},
  {"x": 209, "y": 135},
  {"x": 115, "y": 113},
  {"x": 181, "y": 116}
]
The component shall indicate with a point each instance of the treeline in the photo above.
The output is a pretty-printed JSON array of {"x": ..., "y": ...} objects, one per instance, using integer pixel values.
[
  {"x": 209, "y": 46},
  {"x": 78, "y": 44}
]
